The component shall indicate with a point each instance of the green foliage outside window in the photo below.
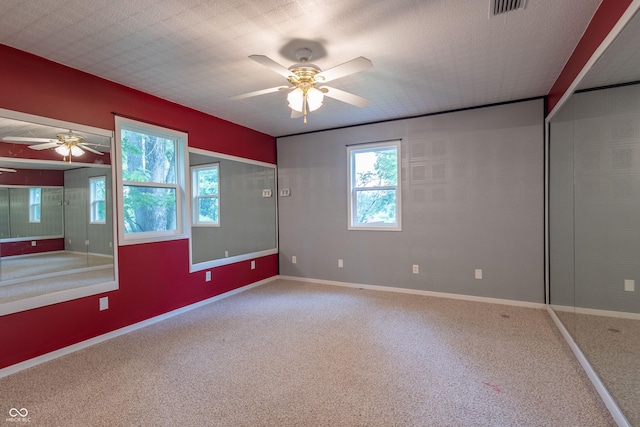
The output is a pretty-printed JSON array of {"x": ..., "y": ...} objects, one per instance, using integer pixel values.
[
  {"x": 149, "y": 159},
  {"x": 375, "y": 172}
]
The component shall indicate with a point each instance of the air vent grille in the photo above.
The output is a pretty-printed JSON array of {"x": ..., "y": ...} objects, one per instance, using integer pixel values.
[{"x": 498, "y": 7}]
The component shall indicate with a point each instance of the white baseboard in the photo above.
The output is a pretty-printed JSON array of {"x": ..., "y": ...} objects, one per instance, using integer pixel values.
[
  {"x": 420, "y": 292},
  {"x": 125, "y": 330},
  {"x": 595, "y": 312}
]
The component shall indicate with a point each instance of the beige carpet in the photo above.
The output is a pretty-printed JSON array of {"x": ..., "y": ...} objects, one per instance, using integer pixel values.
[
  {"x": 40, "y": 274},
  {"x": 612, "y": 346},
  {"x": 63, "y": 282},
  {"x": 297, "y": 354},
  {"x": 26, "y": 266}
]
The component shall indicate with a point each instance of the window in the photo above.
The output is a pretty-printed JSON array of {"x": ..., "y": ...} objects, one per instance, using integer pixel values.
[
  {"x": 35, "y": 204},
  {"x": 151, "y": 180},
  {"x": 374, "y": 186},
  {"x": 98, "y": 200},
  {"x": 205, "y": 181}
]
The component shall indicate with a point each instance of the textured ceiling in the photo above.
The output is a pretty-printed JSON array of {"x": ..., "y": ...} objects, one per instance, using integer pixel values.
[
  {"x": 620, "y": 63},
  {"x": 428, "y": 55}
]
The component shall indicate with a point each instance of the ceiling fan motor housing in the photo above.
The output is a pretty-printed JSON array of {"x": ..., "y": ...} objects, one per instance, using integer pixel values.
[{"x": 305, "y": 74}]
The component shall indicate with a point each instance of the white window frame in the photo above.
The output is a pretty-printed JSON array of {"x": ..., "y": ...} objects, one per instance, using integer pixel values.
[
  {"x": 353, "y": 189},
  {"x": 181, "y": 139},
  {"x": 93, "y": 201},
  {"x": 196, "y": 197},
  {"x": 35, "y": 206}
]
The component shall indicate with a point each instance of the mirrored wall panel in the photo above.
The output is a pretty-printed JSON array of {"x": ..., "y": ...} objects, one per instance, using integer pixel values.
[
  {"x": 56, "y": 213},
  {"x": 594, "y": 219},
  {"x": 233, "y": 209}
]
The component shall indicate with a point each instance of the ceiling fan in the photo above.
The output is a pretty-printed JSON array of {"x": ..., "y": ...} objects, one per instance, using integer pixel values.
[
  {"x": 7, "y": 170},
  {"x": 307, "y": 82},
  {"x": 67, "y": 144}
]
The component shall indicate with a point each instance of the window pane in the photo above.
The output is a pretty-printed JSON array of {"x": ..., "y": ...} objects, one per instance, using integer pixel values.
[
  {"x": 148, "y": 158},
  {"x": 375, "y": 207},
  {"x": 98, "y": 211},
  {"x": 98, "y": 188},
  {"x": 149, "y": 209},
  {"x": 208, "y": 209},
  {"x": 207, "y": 181},
  {"x": 35, "y": 195},
  {"x": 376, "y": 168}
]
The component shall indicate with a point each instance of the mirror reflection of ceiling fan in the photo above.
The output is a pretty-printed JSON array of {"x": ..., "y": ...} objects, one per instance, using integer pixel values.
[
  {"x": 7, "y": 170},
  {"x": 67, "y": 144},
  {"x": 307, "y": 82}
]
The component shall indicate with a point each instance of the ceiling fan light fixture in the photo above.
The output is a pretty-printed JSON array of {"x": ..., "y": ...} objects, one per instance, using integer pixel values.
[
  {"x": 76, "y": 151},
  {"x": 63, "y": 150},
  {"x": 296, "y": 99},
  {"x": 314, "y": 98}
]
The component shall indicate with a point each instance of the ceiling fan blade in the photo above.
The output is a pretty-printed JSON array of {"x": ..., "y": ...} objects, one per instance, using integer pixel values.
[
  {"x": 259, "y": 92},
  {"x": 91, "y": 150},
  {"x": 343, "y": 96},
  {"x": 8, "y": 170},
  {"x": 28, "y": 139},
  {"x": 45, "y": 146},
  {"x": 350, "y": 67},
  {"x": 273, "y": 65},
  {"x": 295, "y": 114}
]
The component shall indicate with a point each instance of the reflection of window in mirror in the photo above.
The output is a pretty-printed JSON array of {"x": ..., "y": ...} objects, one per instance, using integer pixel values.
[
  {"x": 35, "y": 204},
  {"x": 98, "y": 200},
  {"x": 231, "y": 208},
  {"x": 206, "y": 194},
  {"x": 151, "y": 174}
]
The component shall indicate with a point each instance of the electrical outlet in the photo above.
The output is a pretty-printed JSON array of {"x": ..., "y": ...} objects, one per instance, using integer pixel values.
[
  {"x": 253, "y": 265},
  {"x": 226, "y": 254},
  {"x": 104, "y": 303},
  {"x": 207, "y": 276},
  {"x": 266, "y": 193},
  {"x": 294, "y": 259},
  {"x": 416, "y": 269},
  {"x": 478, "y": 273},
  {"x": 285, "y": 192},
  {"x": 630, "y": 285},
  {"x": 33, "y": 243},
  {"x": 340, "y": 263}
]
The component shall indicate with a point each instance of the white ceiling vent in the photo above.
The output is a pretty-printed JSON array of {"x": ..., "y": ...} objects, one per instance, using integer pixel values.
[{"x": 498, "y": 7}]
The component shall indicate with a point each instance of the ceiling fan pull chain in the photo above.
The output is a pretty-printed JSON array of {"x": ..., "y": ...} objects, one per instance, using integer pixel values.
[{"x": 304, "y": 107}]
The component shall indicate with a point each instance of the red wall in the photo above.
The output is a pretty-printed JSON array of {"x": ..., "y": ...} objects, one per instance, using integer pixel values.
[
  {"x": 33, "y": 177},
  {"x": 605, "y": 18},
  {"x": 25, "y": 247},
  {"x": 154, "y": 277}
]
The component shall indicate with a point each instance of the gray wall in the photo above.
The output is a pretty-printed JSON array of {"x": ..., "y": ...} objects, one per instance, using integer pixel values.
[
  {"x": 50, "y": 213},
  {"x": 77, "y": 227},
  {"x": 247, "y": 220},
  {"x": 4, "y": 214},
  {"x": 561, "y": 290},
  {"x": 605, "y": 192},
  {"x": 472, "y": 197}
]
